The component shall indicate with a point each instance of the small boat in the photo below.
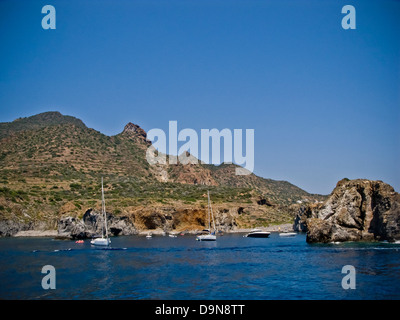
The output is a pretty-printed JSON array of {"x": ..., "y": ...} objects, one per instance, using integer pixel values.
[
  {"x": 79, "y": 241},
  {"x": 210, "y": 236},
  {"x": 149, "y": 236},
  {"x": 287, "y": 234},
  {"x": 172, "y": 235},
  {"x": 257, "y": 233},
  {"x": 103, "y": 241},
  {"x": 207, "y": 237}
]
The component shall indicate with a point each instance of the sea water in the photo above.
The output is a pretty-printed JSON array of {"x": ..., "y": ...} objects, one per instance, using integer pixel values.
[{"x": 233, "y": 267}]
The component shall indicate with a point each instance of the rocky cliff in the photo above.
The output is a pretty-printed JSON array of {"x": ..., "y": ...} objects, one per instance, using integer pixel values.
[
  {"x": 356, "y": 210},
  {"x": 162, "y": 219},
  {"x": 91, "y": 225}
]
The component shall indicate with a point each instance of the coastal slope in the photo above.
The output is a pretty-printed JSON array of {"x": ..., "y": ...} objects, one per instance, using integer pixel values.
[{"x": 51, "y": 166}]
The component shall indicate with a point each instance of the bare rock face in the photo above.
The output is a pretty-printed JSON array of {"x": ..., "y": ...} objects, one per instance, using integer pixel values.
[
  {"x": 185, "y": 218},
  {"x": 136, "y": 132},
  {"x": 91, "y": 225},
  {"x": 168, "y": 219},
  {"x": 225, "y": 219},
  {"x": 300, "y": 220},
  {"x": 357, "y": 210},
  {"x": 134, "y": 128},
  {"x": 9, "y": 228}
]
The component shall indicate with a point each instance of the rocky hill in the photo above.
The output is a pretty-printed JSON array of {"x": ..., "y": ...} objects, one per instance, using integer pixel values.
[
  {"x": 356, "y": 210},
  {"x": 36, "y": 122},
  {"x": 51, "y": 166}
]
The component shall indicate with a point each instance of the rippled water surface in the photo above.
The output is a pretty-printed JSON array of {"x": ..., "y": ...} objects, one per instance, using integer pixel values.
[{"x": 233, "y": 267}]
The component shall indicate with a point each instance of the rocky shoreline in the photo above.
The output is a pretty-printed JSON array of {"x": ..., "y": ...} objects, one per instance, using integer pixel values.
[
  {"x": 65, "y": 235},
  {"x": 36, "y": 233},
  {"x": 356, "y": 210}
]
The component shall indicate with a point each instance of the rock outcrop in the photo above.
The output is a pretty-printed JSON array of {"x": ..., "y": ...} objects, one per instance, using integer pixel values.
[
  {"x": 356, "y": 210},
  {"x": 91, "y": 225},
  {"x": 167, "y": 219},
  {"x": 300, "y": 220},
  {"x": 135, "y": 131},
  {"x": 225, "y": 220},
  {"x": 9, "y": 228},
  {"x": 171, "y": 219}
]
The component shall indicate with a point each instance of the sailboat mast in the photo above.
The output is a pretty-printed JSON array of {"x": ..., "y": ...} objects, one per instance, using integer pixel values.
[
  {"x": 103, "y": 203},
  {"x": 212, "y": 216},
  {"x": 209, "y": 206}
]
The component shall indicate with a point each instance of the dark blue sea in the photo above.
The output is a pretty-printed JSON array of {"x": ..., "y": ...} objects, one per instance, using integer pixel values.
[{"x": 181, "y": 268}]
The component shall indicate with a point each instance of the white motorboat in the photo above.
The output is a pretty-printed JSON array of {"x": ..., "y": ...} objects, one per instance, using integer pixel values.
[
  {"x": 258, "y": 233},
  {"x": 104, "y": 240},
  {"x": 149, "y": 236},
  {"x": 287, "y": 234},
  {"x": 211, "y": 235}
]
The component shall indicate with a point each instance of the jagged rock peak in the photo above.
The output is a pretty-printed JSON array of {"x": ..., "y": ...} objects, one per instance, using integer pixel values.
[{"x": 134, "y": 128}]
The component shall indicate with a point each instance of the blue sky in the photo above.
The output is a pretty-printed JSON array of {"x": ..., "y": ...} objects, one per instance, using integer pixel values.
[{"x": 324, "y": 102}]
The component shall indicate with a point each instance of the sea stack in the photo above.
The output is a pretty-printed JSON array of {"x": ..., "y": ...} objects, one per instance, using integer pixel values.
[{"x": 356, "y": 210}]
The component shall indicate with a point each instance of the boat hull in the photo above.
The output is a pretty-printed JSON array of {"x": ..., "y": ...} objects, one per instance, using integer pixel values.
[
  {"x": 101, "y": 242},
  {"x": 287, "y": 234},
  {"x": 206, "y": 237},
  {"x": 258, "y": 235}
]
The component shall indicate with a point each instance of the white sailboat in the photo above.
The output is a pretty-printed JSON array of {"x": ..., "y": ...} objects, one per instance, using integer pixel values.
[
  {"x": 103, "y": 241},
  {"x": 210, "y": 236}
]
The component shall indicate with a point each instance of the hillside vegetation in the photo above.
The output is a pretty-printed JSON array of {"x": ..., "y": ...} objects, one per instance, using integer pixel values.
[{"x": 51, "y": 165}]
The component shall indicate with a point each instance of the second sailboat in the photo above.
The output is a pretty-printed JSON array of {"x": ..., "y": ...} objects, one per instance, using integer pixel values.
[{"x": 211, "y": 235}]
